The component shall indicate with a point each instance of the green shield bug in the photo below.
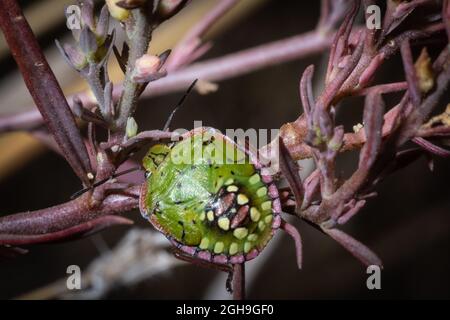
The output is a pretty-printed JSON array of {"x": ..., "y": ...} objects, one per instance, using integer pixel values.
[{"x": 209, "y": 197}]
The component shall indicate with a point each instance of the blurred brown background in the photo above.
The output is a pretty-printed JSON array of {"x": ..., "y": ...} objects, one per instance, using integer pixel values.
[{"x": 408, "y": 224}]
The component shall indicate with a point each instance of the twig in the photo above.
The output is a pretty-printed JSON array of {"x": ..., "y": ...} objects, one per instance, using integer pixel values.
[
  {"x": 432, "y": 148},
  {"x": 239, "y": 281},
  {"x": 44, "y": 88},
  {"x": 191, "y": 43},
  {"x": 382, "y": 88},
  {"x": 356, "y": 248},
  {"x": 74, "y": 218},
  {"x": 410, "y": 73},
  {"x": 139, "y": 34},
  {"x": 291, "y": 172}
]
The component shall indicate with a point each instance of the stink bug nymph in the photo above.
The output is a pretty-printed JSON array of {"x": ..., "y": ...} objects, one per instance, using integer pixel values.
[{"x": 209, "y": 197}]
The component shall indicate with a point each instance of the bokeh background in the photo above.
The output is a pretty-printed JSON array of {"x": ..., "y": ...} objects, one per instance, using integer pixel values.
[{"x": 407, "y": 225}]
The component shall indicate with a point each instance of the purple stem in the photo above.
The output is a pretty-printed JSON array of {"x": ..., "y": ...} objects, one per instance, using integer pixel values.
[
  {"x": 373, "y": 126},
  {"x": 446, "y": 17},
  {"x": 356, "y": 248},
  {"x": 192, "y": 42},
  {"x": 432, "y": 148},
  {"x": 290, "y": 170},
  {"x": 295, "y": 235},
  {"x": 306, "y": 91},
  {"x": 410, "y": 73},
  {"x": 382, "y": 88},
  {"x": 239, "y": 281},
  {"x": 44, "y": 87},
  {"x": 72, "y": 218}
]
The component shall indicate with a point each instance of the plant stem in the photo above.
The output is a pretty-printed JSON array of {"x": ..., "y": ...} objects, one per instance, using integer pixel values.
[
  {"x": 239, "y": 281},
  {"x": 76, "y": 217},
  {"x": 97, "y": 88},
  {"x": 139, "y": 35},
  {"x": 191, "y": 42},
  {"x": 44, "y": 87}
]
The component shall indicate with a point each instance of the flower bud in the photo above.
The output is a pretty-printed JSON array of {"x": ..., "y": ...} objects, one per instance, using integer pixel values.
[
  {"x": 147, "y": 65},
  {"x": 132, "y": 127},
  {"x": 117, "y": 12}
]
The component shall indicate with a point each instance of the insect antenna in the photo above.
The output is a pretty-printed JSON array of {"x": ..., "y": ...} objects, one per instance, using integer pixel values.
[
  {"x": 179, "y": 105},
  {"x": 98, "y": 183}
]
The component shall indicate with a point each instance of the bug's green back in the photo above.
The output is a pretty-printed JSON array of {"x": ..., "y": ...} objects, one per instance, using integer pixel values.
[{"x": 184, "y": 191}]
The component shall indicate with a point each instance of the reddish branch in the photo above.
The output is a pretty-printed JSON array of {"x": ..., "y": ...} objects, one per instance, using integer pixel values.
[
  {"x": 44, "y": 88},
  {"x": 238, "y": 282},
  {"x": 76, "y": 218},
  {"x": 191, "y": 46}
]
